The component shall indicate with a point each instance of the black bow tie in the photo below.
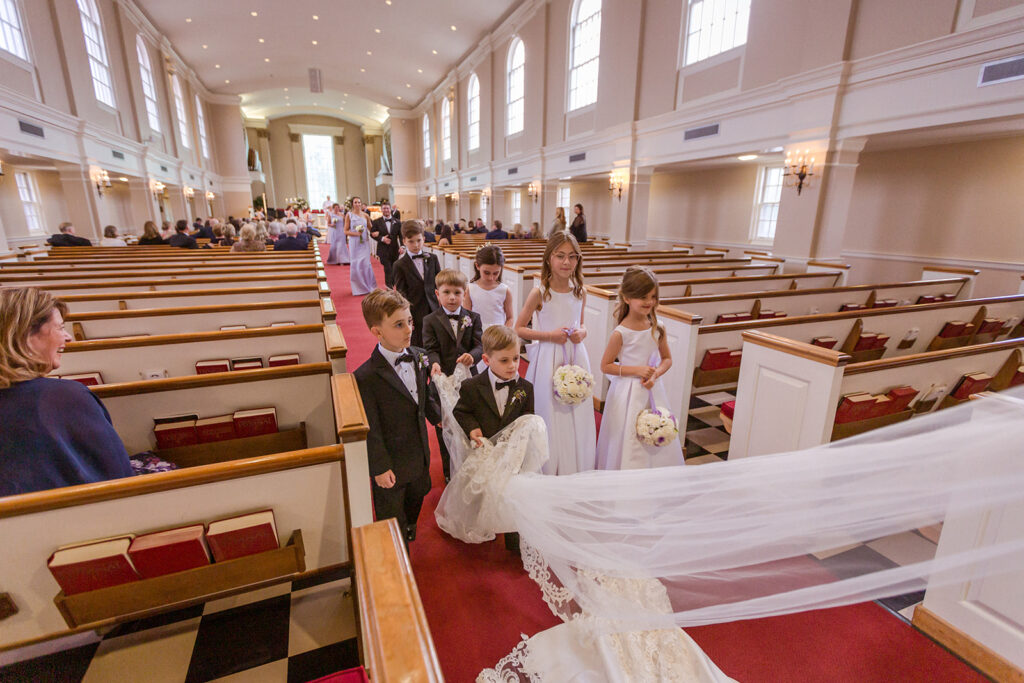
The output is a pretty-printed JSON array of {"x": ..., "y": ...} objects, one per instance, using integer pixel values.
[
  {"x": 417, "y": 256},
  {"x": 404, "y": 358},
  {"x": 505, "y": 385},
  {"x": 454, "y": 316}
]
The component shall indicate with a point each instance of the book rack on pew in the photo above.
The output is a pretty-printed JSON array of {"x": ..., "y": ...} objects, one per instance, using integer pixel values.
[
  {"x": 183, "y": 588},
  {"x": 236, "y": 449}
]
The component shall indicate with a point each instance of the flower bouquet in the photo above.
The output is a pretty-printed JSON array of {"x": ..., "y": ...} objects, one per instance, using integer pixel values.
[
  {"x": 572, "y": 384},
  {"x": 656, "y": 426}
]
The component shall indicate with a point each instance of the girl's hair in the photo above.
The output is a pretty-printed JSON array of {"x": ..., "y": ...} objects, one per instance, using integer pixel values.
[
  {"x": 149, "y": 230},
  {"x": 488, "y": 255},
  {"x": 637, "y": 283},
  {"x": 110, "y": 231},
  {"x": 576, "y": 279},
  {"x": 25, "y": 311},
  {"x": 560, "y": 215}
]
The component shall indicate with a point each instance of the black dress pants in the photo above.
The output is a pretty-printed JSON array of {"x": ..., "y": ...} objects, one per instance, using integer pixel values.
[{"x": 401, "y": 501}]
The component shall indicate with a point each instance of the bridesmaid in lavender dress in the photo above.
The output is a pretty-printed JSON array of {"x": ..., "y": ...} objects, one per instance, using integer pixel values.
[
  {"x": 338, "y": 254},
  {"x": 360, "y": 271}
]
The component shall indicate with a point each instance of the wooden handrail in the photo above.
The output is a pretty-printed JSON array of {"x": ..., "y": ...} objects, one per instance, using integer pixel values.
[
  {"x": 76, "y": 275},
  {"x": 334, "y": 341},
  {"x": 171, "y": 293},
  {"x": 676, "y": 314},
  {"x": 931, "y": 356},
  {"x": 818, "y": 354},
  {"x": 189, "y": 337},
  {"x": 675, "y": 301},
  {"x": 742, "y": 278},
  {"x": 826, "y": 264},
  {"x": 190, "y": 310},
  {"x": 210, "y": 379},
  {"x": 349, "y": 414},
  {"x": 394, "y": 626},
  {"x": 952, "y": 269},
  {"x": 198, "y": 280}
]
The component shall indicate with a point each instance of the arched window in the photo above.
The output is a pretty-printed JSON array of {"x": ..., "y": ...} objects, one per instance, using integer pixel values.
[
  {"x": 179, "y": 108},
  {"x": 11, "y": 37},
  {"x": 515, "y": 90},
  {"x": 426, "y": 141},
  {"x": 474, "y": 112},
  {"x": 585, "y": 52},
  {"x": 446, "y": 129},
  {"x": 201, "y": 125},
  {"x": 148, "y": 89},
  {"x": 99, "y": 66}
]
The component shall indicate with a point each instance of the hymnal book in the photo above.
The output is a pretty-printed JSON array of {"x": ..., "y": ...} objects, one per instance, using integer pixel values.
[
  {"x": 169, "y": 551},
  {"x": 283, "y": 359},
  {"x": 880, "y": 341},
  {"x": 733, "y": 317},
  {"x": 282, "y": 324},
  {"x": 181, "y": 417},
  {"x": 246, "y": 363},
  {"x": 954, "y": 328},
  {"x": 947, "y": 297},
  {"x": 255, "y": 422},
  {"x": 728, "y": 409},
  {"x": 971, "y": 383},
  {"x": 901, "y": 398},
  {"x": 175, "y": 434},
  {"x": 89, "y": 379},
  {"x": 95, "y": 564},
  {"x": 204, "y": 367},
  {"x": 851, "y": 307},
  {"x": 825, "y": 342},
  {"x": 225, "y": 328},
  {"x": 886, "y": 303},
  {"x": 1018, "y": 377},
  {"x": 765, "y": 315},
  {"x": 866, "y": 341},
  {"x": 242, "y": 535},
  {"x": 217, "y": 428},
  {"x": 927, "y": 299},
  {"x": 717, "y": 359},
  {"x": 854, "y": 407},
  {"x": 991, "y": 325}
]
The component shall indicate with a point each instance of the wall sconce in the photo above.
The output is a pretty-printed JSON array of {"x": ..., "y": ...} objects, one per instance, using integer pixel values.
[
  {"x": 798, "y": 170},
  {"x": 210, "y": 195},
  {"x": 615, "y": 183},
  {"x": 188, "y": 192},
  {"x": 455, "y": 197},
  {"x": 156, "y": 187},
  {"x": 432, "y": 199},
  {"x": 532, "y": 192},
  {"x": 485, "y": 196},
  {"x": 102, "y": 180}
]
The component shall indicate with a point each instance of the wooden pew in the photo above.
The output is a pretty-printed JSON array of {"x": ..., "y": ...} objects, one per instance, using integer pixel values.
[
  {"x": 202, "y": 282},
  {"x": 85, "y": 265},
  {"x": 789, "y": 391},
  {"x": 86, "y": 276}
]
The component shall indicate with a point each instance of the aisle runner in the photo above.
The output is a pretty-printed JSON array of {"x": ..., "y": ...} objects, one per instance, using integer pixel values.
[{"x": 478, "y": 599}]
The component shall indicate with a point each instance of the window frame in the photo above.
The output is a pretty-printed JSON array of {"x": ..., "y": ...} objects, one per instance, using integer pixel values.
[
  {"x": 148, "y": 85},
  {"x": 99, "y": 63},
  {"x": 17, "y": 30},
  {"x": 446, "y": 129},
  {"x": 204, "y": 143},
  {"x": 331, "y": 153},
  {"x": 32, "y": 202},
  {"x": 568, "y": 198},
  {"x": 181, "y": 112},
  {"x": 759, "y": 203},
  {"x": 518, "y": 71},
  {"x": 574, "y": 26},
  {"x": 686, "y": 34},
  {"x": 473, "y": 112},
  {"x": 517, "y": 206},
  {"x": 427, "y": 147}
]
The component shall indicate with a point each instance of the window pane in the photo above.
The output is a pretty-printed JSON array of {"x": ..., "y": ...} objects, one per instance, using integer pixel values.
[
  {"x": 99, "y": 67},
  {"x": 474, "y": 112},
  {"x": 11, "y": 37},
  {"x": 446, "y": 129},
  {"x": 715, "y": 26},
  {"x": 515, "y": 88},
  {"x": 318, "y": 154},
  {"x": 426, "y": 142},
  {"x": 201, "y": 123},
  {"x": 30, "y": 202},
  {"x": 179, "y": 107},
  {"x": 148, "y": 89}
]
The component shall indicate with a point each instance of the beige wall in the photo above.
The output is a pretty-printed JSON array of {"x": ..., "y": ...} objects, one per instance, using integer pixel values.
[{"x": 712, "y": 205}]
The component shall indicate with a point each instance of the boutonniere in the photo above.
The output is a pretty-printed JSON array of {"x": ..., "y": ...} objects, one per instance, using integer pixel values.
[
  {"x": 466, "y": 321},
  {"x": 517, "y": 396},
  {"x": 423, "y": 361}
]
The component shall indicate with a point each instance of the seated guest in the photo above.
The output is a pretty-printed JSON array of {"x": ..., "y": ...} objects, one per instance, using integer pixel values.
[
  {"x": 517, "y": 232},
  {"x": 428, "y": 236},
  {"x": 250, "y": 240},
  {"x": 291, "y": 241},
  {"x": 261, "y": 233},
  {"x": 150, "y": 235},
  {"x": 230, "y": 234},
  {"x": 461, "y": 226},
  {"x": 480, "y": 228},
  {"x": 534, "y": 231},
  {"x": 55, "y": 432},
  {"x": 218, "y": 235},
  {"x": 181, "y": 238},
  {"x": 445, "y": 238},
  {"x": 110, "y": 238},
  {"x": 166, "y": 230},
  {"x": 311, "y": 230},
  {"x": 66, "y": 237},
  {"x": 497, "y": 233}
]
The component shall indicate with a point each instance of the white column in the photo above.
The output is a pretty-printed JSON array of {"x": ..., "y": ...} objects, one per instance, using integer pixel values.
[{"x": 228, "y": 132}]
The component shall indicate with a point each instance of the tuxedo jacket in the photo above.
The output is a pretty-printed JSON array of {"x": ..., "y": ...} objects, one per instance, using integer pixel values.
[
  {"x": 387, "y": 252},
  {"x": 444, "y": 346},
  {"x": 397, "y": 439},
  {"x": 477, "y": 409},
  {"x": 66, "y": 239},
  {"x": 285, "y": 243},
  {"x": 182, "y": 240},
  {"x": 418, "y": 290}
]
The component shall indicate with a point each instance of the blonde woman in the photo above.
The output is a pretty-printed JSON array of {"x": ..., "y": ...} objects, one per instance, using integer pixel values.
[
  {"x": 558, "y": 225},
  {"x": 249, "y": 241},
  {"x": 55, "y": 432}
]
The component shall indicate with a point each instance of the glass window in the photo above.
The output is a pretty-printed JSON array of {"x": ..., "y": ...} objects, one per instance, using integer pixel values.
[
  {"x": 516, "y": 87},
  {"x": 426, "y": 141},
  {"x": 474, "y": 112},
  {"x": 204, "y": 145},
  {"x": 29, "y": 201},
  {"x": 11, "y": 37},
  {"x": 517, "y": 203},
  {"x": 715, "y": 26},
  {"x": 179, "y": 108},
  {"x": 563, "y": 199},
  {"x": 446, "y": 129},
  {"x": 585, "y": 49},
  {"x": 99, "y": 67},
  {"x": 766, "y": 208},
  {"x": 318, "y": 153},
  {"x": 148, "y": 89}
]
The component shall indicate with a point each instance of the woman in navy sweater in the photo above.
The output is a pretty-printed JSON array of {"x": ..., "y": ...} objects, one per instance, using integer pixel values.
[{"x": 55, "y": 432}]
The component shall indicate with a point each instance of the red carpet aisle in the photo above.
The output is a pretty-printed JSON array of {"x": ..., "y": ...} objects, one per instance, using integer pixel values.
[{"x": 479, "y": 600}]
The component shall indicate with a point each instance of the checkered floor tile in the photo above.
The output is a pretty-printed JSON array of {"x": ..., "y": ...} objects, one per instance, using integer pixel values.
[
  {"x": 706, "y": 438},
  {"x": 288, "y": 633}
]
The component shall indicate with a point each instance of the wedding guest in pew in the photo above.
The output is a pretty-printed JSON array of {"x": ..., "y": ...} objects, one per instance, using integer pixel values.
[
  {"x": 497, "y": 233},
  {"x": 66, "y": 237},
  {"x": 230, "y": 234},
  {"x": 150, "y": 235},
  {"x": 55, "y": 432},
  {"x": 181, "y": 238},
  {"x": 110, "y": 238},
  {"x": 166, "y": 230},
  {"x": 250, "y": 240},
  {"x": 291, "y": 240}
]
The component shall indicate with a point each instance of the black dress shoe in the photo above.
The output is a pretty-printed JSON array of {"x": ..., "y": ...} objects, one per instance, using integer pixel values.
[{"x": 410, "y": 532}]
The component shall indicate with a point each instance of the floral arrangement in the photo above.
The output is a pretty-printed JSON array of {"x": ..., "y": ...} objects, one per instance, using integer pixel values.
[
  {"x": 573, "y": 385},
  {"x": 656, "y": 427},
  {"x": 466, "y": 321}
]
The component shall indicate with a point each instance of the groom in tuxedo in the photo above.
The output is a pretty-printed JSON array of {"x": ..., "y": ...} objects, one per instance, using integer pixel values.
[{"x": 387, "y": 231}]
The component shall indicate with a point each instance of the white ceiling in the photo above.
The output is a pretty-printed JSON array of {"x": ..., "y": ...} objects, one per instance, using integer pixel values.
[{"x": 402, "y": 64}]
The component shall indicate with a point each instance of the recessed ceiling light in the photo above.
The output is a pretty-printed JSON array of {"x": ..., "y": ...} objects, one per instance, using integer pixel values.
[
  {"x": 286, "y": 89},
  {"x": 188, "y": 20},
  {"x": 205, "y": 46},
  {"x": 399, "y": 97},
  {"x": 407, "y": 85},
  {"x": 419, "y": 71},
  {"x": 369, "y": 52},
  {"x": 316, "y": 17},
  {"x": 376, "y": 30},
  {"x": 434, "y": 51},
  {"x": 261, "y": 40},
  {"x": 387, "y": 2},
  {"x": 341, "y": 108},
  {"x": 266, "y": 59},
  {"x": 287, "y": 97},
  {"x": 254, "y": 14},
  {"x": 453, "y": 28},
  {"x": 747, "y": 157},
  {"x": 362, "y": 69},
  {"x": 216, "y": 66},
  {"x": 315, "y": 43},
  {"x": 226, "y": 80},
  {"x": 344, "y": 94}
]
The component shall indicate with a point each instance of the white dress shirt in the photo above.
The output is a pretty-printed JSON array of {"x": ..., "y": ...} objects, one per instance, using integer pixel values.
[
  {"x": 500, "y": 395},
  {"x": 405, "y": 371},
  {"x": 454, "y": 323},
  {"x": 418, "y": 262}
]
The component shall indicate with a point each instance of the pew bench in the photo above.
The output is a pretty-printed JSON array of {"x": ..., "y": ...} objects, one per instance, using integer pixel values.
[{"x": 198, "y": 282}]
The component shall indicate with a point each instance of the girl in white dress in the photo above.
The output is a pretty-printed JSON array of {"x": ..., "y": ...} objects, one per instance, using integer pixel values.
[
  {"x": 556, "y": 308},
  {"x": 487, "y": 295},
  {"x": 640, "y": 347}
]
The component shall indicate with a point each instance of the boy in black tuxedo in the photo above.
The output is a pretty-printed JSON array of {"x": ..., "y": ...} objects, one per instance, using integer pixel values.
[
  {"x": 451, "y": 335},
  {"x": 414, "y": 277},
  {"x": 494, "y": 399},
  {"x": 394, "y": 387}
]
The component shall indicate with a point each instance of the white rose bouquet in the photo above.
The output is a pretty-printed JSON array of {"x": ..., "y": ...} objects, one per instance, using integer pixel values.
[
  {"x": 656, "y": 427},
  {"x": 572, "y": 384}
]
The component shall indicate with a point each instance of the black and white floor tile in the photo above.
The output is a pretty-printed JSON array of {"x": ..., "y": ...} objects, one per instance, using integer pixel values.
[{"x": 706, "y": 438}]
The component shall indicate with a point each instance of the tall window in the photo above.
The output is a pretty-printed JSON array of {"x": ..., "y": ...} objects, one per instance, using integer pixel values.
[
  {"x": 474, "y": 112},
  {"x": 563, "y": 199},
  {"x": 515, "y": 90},
  {"x": 766, "y": 208},
  {"x": 148, "y": 89},
  {"x": 179, "y": 108},
  {"x": 29, "y": 201},
  {"x": 426, "y": 141},
  {"x": 201, "y": 124},
  {"x": 585, "y": 53},
  {"x": 517, "y": 205},
  {"x": 99, "y": 67},
  {"x": 318, "y": 153},
  {"x": 715, "y": 26},
  {"x": 11, "y": 37},
  {"x": 446, "y": 129}
]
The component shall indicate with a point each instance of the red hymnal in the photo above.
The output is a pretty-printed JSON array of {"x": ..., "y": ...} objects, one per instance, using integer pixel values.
[
  {"x": 243, "y": 535},
  {"x": 255, "y": 422},
  {"x": 716, "y": 359},
  {"x": 246, "y": 363},
  {"x": 886, "y": 303},
  {"x": 169, "y": 551},
  {"x": 901, "y": 397},
  {"x": 971, "y": 383},
  {"x": 204, "y": 367},
  {"x": 284, "y": 359},
  {"x": 851, "y": 307},
  {"x": 927, "y": 299},
  {"x": 825, "y": 342},
  {"x": 991, "y": 325},
  {"x": 175, "y": 430},
  {"x": 728, "y": 409},
  {"x": 215, "y": 428},
  {"x": 854, "y": 407},
  {"x": 947, "y": 296},
  {"x": 867, "y": 340},
  {"x": 88, "y": 566},
  {"x": 89, "y": 379},
  {"x": 733, "y": 317},
  {"x": 880, "y": 341},
  {"x": 1018, "y": 377},
  {"x": 954, "y": 328}
]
